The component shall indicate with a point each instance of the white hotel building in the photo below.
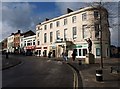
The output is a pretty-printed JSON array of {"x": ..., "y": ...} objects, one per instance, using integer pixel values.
[{"x": 69, "y": 31}]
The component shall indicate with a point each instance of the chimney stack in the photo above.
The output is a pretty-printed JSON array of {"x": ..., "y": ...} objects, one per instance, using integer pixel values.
[
  {"x": 46, "y": 19},
  {"x": 18, "y": 31},
  {"x": 69, "y": 10},
  {"x": 12, "y": 33}
]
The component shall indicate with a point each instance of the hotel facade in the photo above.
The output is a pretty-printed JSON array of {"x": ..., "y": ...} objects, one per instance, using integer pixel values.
[{"x": 68, "y": 32}]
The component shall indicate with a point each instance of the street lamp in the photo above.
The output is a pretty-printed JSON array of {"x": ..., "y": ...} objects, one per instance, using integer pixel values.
[{"x": 101, "y": 63}]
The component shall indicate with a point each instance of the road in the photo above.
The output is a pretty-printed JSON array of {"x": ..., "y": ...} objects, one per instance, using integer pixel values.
[{"x": 36, "y": 72}]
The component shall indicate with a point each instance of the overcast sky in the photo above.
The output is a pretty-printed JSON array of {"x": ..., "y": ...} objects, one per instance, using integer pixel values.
[{"x": 26, "y": 15}]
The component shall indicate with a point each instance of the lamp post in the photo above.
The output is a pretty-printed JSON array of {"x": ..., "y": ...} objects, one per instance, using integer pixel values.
[{"x": 101, "y": 61}]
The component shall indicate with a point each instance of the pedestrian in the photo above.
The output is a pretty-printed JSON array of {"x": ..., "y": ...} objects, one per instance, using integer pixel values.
[
  {"x": 49, "y": 54},
  {"x": 74, "y": 55},
  {"x": 63, "y": 55},
  {"x": 6, "y": 55},
  {"x": 66, "y": 55}
]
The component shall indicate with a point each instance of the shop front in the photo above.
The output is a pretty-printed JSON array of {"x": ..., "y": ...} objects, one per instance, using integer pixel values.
[
  {"x": 52, "y": 49},
  {"x": 29, "y": 50},
  {"x": 81, "y": 50},
  {"x": 38, "y": 51}
]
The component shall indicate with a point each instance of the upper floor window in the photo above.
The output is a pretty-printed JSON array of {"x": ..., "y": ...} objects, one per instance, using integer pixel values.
[
  {"x": 38, "y": 42},
  {"x": 96, "y": 14},
  {"x": 97, "y": 35},
  {"x": 29, "y": 42},
  {"x": 38, "y": 34},
  {"x": 74, "y": 32},
  {"x": 57, "y": 24},
  {"x": 73, "y": 19},
  {"x": 45, "y": 27},
  {"x": 57, "y": 34},
  {"x": 39, "y": 28},
  {"x": 51, "y": 25},
  {"x": 85, "y": 32},
  {"x": 51, "y": 36},
  {"x": 84, "y": 16},
  {"x": 65, "y": 34},
  {"x": 45, "y": 37},
  {"x": 65, "y": 21},
  {"x": 33, "y": 42}
]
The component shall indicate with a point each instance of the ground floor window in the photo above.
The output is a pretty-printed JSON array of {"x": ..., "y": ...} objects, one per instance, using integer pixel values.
[
  {"x": 81, "y": 52},
  {"x": 84, "y": 52},
  {"x": 39, "y": 52},
  {"x": 45, "y": 53},
  {"x": 97, "y": 51}
]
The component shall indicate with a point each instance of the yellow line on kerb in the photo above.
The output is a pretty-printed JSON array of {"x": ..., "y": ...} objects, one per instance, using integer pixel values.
[{"x": 75, "y": 77}]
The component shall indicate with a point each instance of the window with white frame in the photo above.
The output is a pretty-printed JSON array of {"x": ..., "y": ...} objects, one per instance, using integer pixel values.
[
  {"x": 45, "y": 37},
  {"x": 74, "y": 32},
  {"x": 57, "y": 24},
  {"x": 57, "y": 34},
  {"x": 51, "y": 25},
  {"x": 96, "y": 14},
  {"x": 51, "y": 36},
  {"x": 65, "y": 34},
  {"x": 38, "y": 42},
  {"x": 85, "y": 32},
  {"x": 84, "y": 52},
  {"x": 65, "y": 21},
  {"x": 97, "y": 31},
  {"x": 80, "y": 52},
  {"x": 38, "y": 34},
  {"x": 84, "y": 16},
  {"x": 33, "y": 42},
  {"x": 74, "y": 19},
  {"x": 29, "y": 42},
  {"x": 45, "y": 27}
]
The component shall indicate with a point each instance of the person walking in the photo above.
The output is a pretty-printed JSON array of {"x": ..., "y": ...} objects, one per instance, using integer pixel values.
[
  {"x": 49, "y": 54},
  {"x": 74, "y": 55},
  {"x": 64, "y": 55}
]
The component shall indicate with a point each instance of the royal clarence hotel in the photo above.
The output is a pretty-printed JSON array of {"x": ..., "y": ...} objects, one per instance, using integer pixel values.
[{"x": 68, "y": 32}]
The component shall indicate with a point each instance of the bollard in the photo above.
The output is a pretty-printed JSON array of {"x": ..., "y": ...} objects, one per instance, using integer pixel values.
[{"x": 99, "y": 76}]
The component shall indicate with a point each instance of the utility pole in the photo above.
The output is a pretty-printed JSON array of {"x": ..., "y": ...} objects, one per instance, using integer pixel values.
[{"x": 101, "y": 61}]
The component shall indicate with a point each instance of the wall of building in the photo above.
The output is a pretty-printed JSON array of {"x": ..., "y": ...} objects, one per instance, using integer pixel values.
[
  {"x": 10, "y": 44},
  {"x": 80, "y": 44}
]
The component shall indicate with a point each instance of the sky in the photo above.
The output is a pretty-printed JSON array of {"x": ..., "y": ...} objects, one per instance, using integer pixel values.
[{"x": 25, "y": 16}]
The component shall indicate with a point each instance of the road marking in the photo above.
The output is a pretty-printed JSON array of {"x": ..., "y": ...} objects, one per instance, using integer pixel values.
[{"x": 75, "y": 77}]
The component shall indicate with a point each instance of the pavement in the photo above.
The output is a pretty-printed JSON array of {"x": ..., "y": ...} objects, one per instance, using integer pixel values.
[
  {"x": 9, "y": 62},
  {"x": 86, "y": 71}
]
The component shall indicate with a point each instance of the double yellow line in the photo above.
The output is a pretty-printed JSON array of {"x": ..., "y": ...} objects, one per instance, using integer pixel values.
[{"x": 75, "y": 77}]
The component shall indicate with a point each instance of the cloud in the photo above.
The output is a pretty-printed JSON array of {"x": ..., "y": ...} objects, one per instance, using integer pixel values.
[
  {"x": 72, "y": 5},
  {"x": 112, "y": 8},
  {"x": 16, "y": 16}
]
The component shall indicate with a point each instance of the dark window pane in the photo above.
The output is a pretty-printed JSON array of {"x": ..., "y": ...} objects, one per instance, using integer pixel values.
[{"x": 84, "y": 52}]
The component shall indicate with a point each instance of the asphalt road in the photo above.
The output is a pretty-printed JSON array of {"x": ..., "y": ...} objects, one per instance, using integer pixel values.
[{"x": 36, "y": 72}]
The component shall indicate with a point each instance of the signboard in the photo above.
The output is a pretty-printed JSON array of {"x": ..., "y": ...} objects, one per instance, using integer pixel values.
[
  {"x": 30, "y": 47},
  {"x": 79, "y": 46}
]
